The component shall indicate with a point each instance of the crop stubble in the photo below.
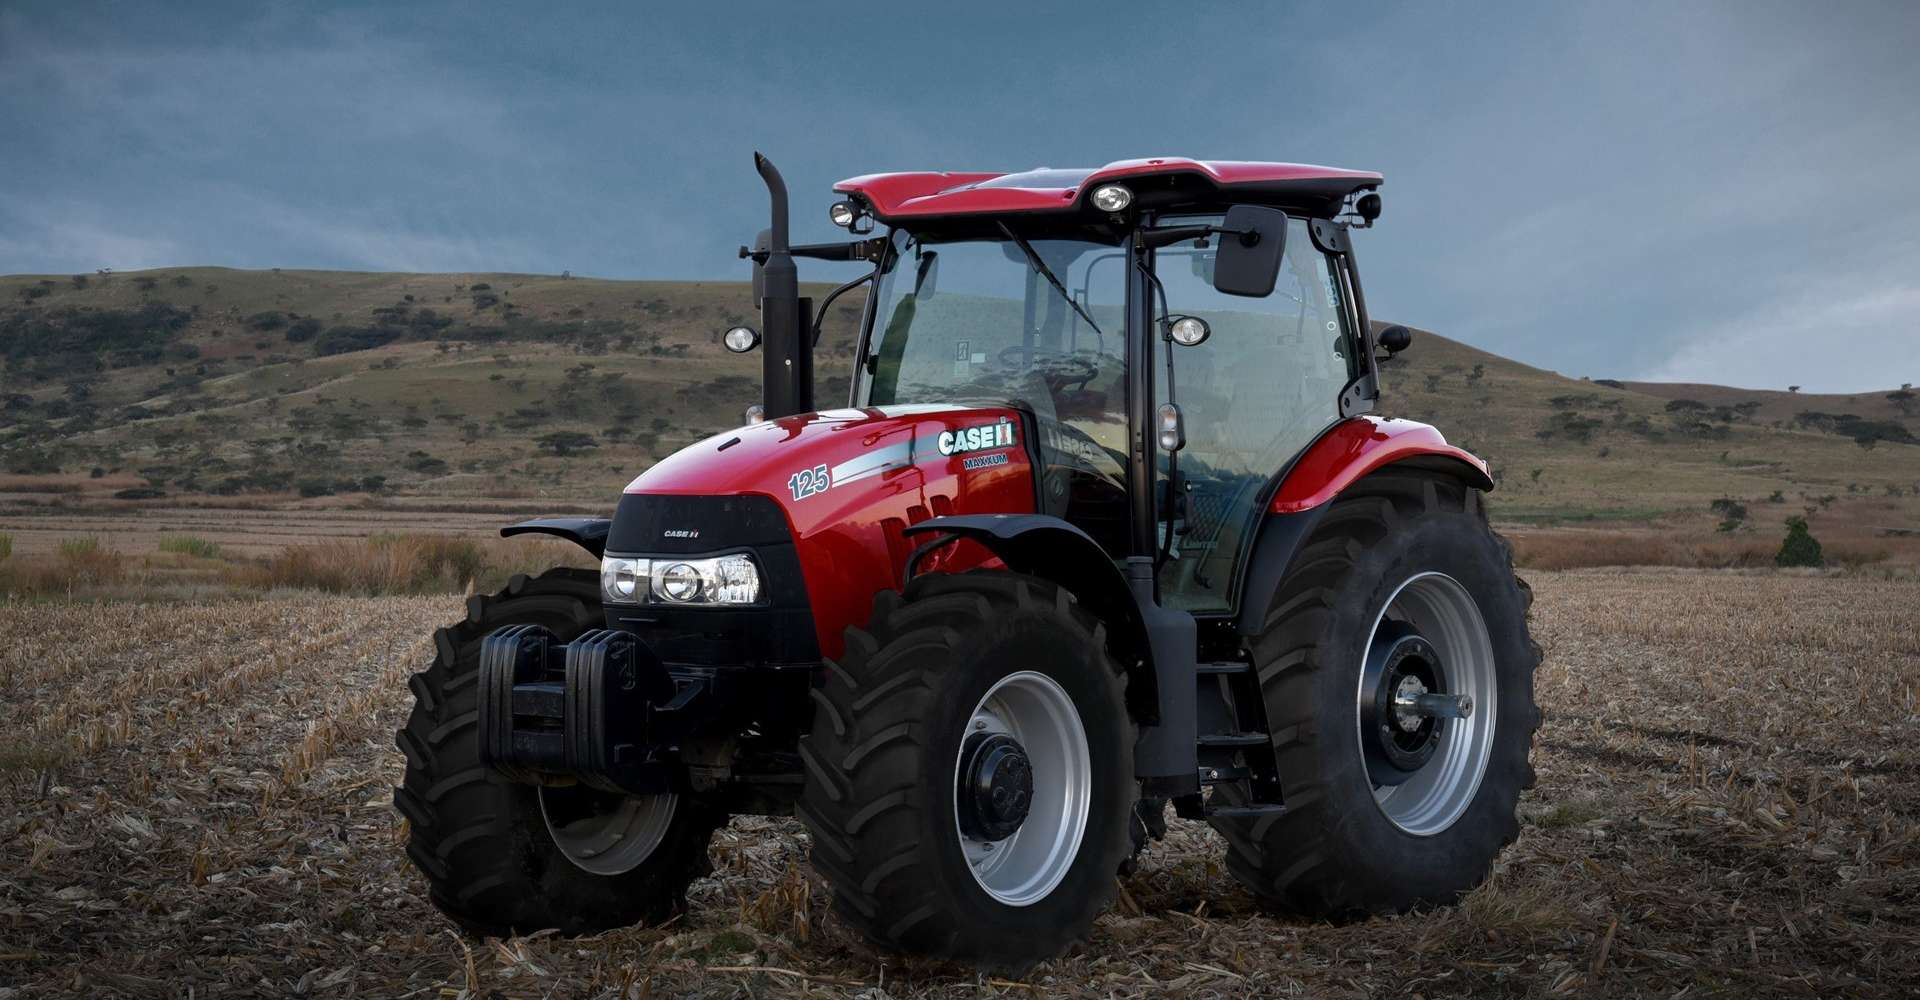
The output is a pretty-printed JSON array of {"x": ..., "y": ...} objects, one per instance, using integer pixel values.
[{"x": 197, "y": 796}]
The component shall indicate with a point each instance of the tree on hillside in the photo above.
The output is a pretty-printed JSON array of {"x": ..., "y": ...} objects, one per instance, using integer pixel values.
[{"x": 1800, "y": 547}]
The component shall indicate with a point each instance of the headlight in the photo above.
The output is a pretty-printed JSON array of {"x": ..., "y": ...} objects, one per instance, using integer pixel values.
[
  {"x": 731, "y": 579},
  {"x": 1111, "y": 198},
  {"x": 622, "y": 579}
]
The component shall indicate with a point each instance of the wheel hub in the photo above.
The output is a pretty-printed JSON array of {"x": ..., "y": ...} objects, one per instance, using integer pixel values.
[
  {"x": 995, "y": 786},
  {"x": 1402, "y": 715}
]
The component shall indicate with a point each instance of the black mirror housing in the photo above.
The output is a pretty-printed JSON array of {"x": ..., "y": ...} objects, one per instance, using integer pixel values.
[
  {"x": 1248, "y": 263},
  {"x": 1395, "y": 339}
]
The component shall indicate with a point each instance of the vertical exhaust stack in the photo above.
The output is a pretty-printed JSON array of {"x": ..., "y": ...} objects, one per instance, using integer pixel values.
[{"x": 787, "y": 358}]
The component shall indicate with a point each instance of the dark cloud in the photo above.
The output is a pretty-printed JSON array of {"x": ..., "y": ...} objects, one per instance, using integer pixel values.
[{"x": 1692, "y": 191}]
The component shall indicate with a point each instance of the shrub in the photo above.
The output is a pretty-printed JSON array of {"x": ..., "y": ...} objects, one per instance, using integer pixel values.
[
  {"x": 79, "y": 562},
  {"x": 187, "y": 545},
  {"x": 83, "y": 546},
  {"x": 409, "y": 564},
  {"x": 347, "y": 339},
  {"x": 1800, "y": 547},
  {"x": 139, "y": 493},
  {"x": 1731, "y": 512},
  {"x": 564, "y": 443},
  {"x": 265, "y": 321},
  {"x": 425, "y": 464},
  {"x": 6, "y": 545},
  {"x": 302, "y": 330}
]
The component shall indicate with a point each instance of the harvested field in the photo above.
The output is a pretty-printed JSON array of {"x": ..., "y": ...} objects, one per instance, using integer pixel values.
[{"x": 196, "y": 801}]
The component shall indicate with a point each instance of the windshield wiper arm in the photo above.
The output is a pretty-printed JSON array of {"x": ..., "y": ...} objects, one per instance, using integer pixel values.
[{"x": 1040, "y": 266}]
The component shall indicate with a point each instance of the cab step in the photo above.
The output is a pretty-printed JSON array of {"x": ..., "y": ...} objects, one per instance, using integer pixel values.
[
  {"x": 1225, "y": 667},
  {"x": 1253, "y": 811},
  {"x": 1232, "y": 741}
]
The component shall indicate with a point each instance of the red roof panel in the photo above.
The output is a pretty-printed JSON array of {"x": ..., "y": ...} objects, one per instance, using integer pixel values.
[{"x": 931, "y": 193}]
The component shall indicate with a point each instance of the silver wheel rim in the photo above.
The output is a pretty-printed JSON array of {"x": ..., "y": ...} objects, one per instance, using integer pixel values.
[
  {"x": 1438, "y": 794},
  {"x": 1038, "y": 713},
  {"x": 603, "y": 833}
]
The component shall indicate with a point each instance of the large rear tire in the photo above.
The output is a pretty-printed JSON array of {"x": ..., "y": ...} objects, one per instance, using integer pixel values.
[
  {"x": 1003, "y": 679},
  {"x": 1403, "y": 587},
  {"x": 503, "y": 858}
]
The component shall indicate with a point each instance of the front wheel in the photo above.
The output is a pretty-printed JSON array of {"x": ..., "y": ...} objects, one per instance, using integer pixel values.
[
  {"x": 501, "y": 858},
  {"x": 969, "y": 773},
  {"x": 1398, "y": 679}
]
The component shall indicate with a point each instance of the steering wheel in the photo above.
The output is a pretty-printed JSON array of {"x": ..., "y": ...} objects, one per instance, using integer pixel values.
[{"x": 1050, "y": 365}]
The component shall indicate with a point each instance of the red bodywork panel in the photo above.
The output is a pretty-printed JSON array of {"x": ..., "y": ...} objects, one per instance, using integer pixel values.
[
  {"x": 1361, "y": 445},
  {"x": 910, "y": 195},
  {"x": 876, "y": 470}
]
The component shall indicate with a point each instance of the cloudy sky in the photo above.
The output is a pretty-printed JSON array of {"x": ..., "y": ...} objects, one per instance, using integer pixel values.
[{"x": 1697, "y": 191}]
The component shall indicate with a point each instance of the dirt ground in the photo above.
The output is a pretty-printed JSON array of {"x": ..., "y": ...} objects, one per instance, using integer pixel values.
[{"x": 195, "y": 801}]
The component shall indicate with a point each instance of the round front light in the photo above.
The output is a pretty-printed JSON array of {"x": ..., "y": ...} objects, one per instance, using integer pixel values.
[
  {"x": 1189, "y": 331},
  {"x": 680, "y": 582},
  {"x": 741, "y": 339},
  {"x": 842, "y": 214},
  {"x": 1111, "y": 197}
]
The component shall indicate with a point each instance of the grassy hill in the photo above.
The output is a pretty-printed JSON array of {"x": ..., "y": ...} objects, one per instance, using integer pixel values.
[{"x": 267, "y": 386}]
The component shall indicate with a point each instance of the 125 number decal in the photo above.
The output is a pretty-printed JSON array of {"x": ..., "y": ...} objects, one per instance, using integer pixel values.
[{"x": 807, "y": 482}]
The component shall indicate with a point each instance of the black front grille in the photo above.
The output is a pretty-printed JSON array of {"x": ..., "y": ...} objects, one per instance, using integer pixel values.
[{"x": 660, "y": 524}]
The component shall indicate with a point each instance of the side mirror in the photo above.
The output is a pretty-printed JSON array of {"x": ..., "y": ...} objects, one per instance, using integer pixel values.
[
  {"x": 1248, "y": 263},
  {"x": 1394, "y": 339}
]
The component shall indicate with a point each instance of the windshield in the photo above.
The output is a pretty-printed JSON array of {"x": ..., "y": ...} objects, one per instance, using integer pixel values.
[
  {"x": 993, "y": 320},
  {"x": 1034, "y": 321}
]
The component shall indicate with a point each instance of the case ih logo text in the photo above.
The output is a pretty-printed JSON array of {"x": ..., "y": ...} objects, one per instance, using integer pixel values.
[
  {"x": 980, "y": 437},
  {"x": 680, "y": 533}
]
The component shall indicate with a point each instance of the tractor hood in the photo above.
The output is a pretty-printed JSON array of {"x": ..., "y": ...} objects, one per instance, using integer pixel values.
[
  {"x": 782, "y": 458},
  {"x": 848, "y": 481}
]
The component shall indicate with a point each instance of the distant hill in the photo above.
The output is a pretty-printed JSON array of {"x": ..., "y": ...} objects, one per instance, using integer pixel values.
[{"x": 271, "y": 384}]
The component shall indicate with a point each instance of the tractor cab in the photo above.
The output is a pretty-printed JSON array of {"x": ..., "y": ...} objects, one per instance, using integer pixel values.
[
  {"x": 1165, "y": 392},
  {"x": 1104, "y": 527}
]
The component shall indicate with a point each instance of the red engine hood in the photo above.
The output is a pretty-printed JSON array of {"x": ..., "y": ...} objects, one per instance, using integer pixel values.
[{"x": 851, "y": 480}]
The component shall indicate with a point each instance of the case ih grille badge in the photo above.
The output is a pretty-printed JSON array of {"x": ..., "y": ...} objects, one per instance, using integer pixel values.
[{"x": 980, "y": 437}]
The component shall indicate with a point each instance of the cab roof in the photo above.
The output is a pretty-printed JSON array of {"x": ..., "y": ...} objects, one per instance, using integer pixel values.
[{"x": 1160, "y": 182}]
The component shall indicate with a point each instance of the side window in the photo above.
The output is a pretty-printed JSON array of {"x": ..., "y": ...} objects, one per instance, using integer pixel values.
[{"x": 1261, "y": 388}]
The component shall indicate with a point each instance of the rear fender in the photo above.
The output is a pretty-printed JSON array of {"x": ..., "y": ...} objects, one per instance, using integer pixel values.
[
  {"x": 1345, "y": 455},
  {"x": 589, "y": 533},
  {"x": 1357, "y": 447}
]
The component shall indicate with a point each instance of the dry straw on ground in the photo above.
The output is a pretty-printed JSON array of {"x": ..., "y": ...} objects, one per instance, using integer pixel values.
[{"x": 195, "y": 801}]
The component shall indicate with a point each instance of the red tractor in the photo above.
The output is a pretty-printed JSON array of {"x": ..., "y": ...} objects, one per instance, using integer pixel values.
[{"x": 1104, "y": 525}]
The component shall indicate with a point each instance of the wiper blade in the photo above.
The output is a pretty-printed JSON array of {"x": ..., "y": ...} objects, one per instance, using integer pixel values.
[{"x": 1040, "y": 266}]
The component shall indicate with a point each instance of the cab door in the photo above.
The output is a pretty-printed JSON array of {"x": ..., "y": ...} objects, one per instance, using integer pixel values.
[{"x": 1255, "y": 394}]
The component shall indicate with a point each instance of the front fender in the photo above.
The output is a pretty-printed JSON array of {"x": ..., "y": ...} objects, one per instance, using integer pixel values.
[
  {"x": 1155, "y": 644},
  {"x": 1045, "y": 546},
  {"x": 589, "y": 533}
]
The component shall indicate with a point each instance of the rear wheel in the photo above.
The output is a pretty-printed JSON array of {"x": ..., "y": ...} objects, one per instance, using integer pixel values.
[
  {"x": 500, "y": 857},
  {"x": 1398, "y": 679},
  {"x": 969, "y": 774}
]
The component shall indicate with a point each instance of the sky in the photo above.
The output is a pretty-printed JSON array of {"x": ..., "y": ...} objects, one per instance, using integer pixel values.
[{"x": 1702, "y": 191}]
